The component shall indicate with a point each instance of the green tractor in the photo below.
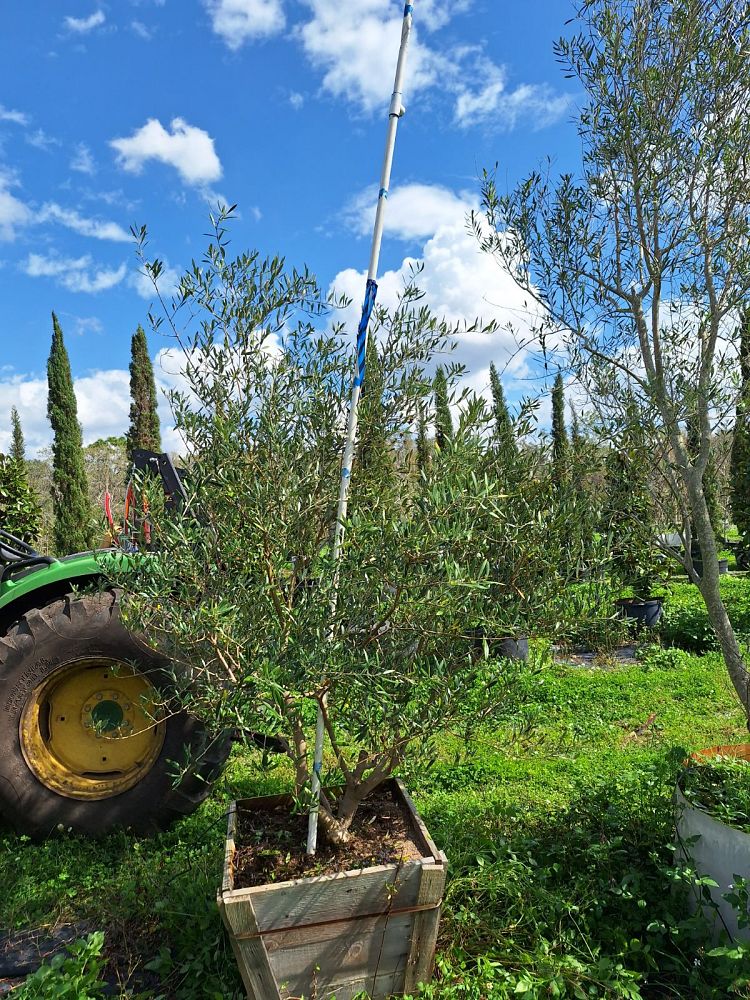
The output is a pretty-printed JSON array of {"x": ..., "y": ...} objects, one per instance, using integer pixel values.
[{"x": 79, "y": 747}]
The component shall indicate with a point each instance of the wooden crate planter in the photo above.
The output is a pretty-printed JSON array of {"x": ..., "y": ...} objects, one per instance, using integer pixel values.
[{"x": 371, "y": 930}]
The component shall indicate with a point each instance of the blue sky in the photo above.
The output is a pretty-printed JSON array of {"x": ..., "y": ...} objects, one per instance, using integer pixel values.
[{"x": 148, "y": 111}]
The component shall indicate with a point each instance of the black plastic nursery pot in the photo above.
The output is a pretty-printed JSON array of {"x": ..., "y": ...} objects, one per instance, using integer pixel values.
[
  {"x": 695, "y": 551},
  {"x": 510, "y": 647},
  {"x": 645, "y": 613}
]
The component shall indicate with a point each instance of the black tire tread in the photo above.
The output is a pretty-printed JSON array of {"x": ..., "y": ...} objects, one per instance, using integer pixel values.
[{"x": 70, "y": 620}]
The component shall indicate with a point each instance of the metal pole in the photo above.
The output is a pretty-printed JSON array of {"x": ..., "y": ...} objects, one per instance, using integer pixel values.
[{"x": 395, "y": 113}]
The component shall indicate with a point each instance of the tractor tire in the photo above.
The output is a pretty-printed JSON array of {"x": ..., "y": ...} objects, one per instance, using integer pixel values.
[{"x": 79, "y": 750}]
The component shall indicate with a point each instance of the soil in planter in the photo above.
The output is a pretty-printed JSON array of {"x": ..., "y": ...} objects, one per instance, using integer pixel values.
[{"x": 271, "y": 843}]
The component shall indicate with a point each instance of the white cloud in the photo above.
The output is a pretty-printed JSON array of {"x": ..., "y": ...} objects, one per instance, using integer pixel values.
[
  {"x": 40, "y": 140},
  {"x": 13, "y": 212},
  {"x": 491, "y": 103},
  {"x": 16, "y": 117},
  {"x": 168, "y": 283},
  {"x": 351, "y": 50},
  {"x": 87, "y": 324},
  {"x": 95, "y": 228},
  {"x": 414, "y": 211},
  {"x": 83, "y": 161},
  {"x": 140, "y": 29},
  {"x": 103, "y": 398},
  {"x": 239, "y": 21},
  {"x": 82, "y": 25},
  {"x": 188, "y": 149},
  {"x": 297, "y": 100},
  {"x": 77, "y": 274},
  {"x": 357, "y": 56},
  {"x": 460, "y": 283}
]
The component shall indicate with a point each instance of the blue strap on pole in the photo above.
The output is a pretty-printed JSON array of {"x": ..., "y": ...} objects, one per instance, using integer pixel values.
[
  {"x": 369, "y": 304},
  {"x": 408, "y": 9}
]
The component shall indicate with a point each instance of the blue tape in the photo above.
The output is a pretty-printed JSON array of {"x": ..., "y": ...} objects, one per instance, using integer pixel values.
[
  {"x": 346, "y": 473},
  {"x": 318, "y": 768},
  {"x": 383, "y": 193},
  {"x": 369, "y": 304},
  {"x": 408, "y": 9}
]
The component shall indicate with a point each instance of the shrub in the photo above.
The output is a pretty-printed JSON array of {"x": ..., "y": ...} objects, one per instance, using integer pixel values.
[
  {"x": 685, "y": 621},
  {"x": 75, "y": 976},
  {"x": 20, "y": 513}
]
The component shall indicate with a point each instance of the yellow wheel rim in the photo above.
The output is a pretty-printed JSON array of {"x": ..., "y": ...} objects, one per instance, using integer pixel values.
[{"x": 90, "y": 730}]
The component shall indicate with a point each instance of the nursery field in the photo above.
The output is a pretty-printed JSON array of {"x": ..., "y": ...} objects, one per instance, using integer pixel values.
[{"x": 556, "y": 822}]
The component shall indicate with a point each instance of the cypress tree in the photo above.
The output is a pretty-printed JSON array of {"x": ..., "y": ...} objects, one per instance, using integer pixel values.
[
  {"x": 423, "y": 444},
  {"x": 506, "y": 441},
  {"x": 17, "y": 448},
  {"x": 559, "y": 433},
  {"x": 740, "y": 459},
  {"x": 144, "y": 431},
  {"x": 374, "y": 447},
  {"x": 72, "y": 528},
  {"x": 443, "y": 419}
]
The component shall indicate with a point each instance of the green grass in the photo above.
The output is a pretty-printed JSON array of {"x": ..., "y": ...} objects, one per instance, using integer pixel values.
[{"x": 557, "y": 824}]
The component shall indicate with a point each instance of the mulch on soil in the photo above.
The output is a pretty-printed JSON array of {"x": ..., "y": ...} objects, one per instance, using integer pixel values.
[{"x": 271, "y": 844}]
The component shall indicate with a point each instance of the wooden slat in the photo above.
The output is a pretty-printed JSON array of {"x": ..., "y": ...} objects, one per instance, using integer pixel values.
[
  {"x": 425, "y": 927},
  {"x": 227, "y": 882},
  {"x": 341, "y": 951},
  {"x": 251, "y": 954},
  {"x": 379, "y": 989},
  {"x": 333, "y": 897},
  {"x": 428, "y": 844}
]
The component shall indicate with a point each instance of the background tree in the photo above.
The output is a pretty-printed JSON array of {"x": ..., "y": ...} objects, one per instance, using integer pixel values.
[
  {"x": 443, "y": 419},
  {"x": 20, "y": 513},
  {"x": 73, "y": 530},
  {"x": 628, "y": 517},
  {"x": 144, "y": 431},
  {"x": 424, "y": 452},
  {"x": 17, "y": 448},
  {"x": 504, "y": 433},
  {"x": 740, "y": 456},
  {"x": 374, "y": 446},
  {"x": 642, "y": 262},
  {"x": 560, "y": 443}
]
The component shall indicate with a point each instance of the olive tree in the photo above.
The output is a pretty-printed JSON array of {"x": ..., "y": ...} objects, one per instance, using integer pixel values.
[
  {"x": 238, "y": 596},
  {"x": 642, "y": 261}
]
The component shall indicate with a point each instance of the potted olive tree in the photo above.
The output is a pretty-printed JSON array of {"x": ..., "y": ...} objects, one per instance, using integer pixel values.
[{"x": 238, "y": 600}]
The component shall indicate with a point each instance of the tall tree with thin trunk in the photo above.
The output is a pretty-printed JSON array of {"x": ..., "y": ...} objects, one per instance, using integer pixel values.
[
  {"x": 443, "y": 419},
  {"x": 640, "y": 260},
  {"x": 72, "y": 514},
  {"x": 504, "y": 435},
  {"x": 559, "y": 432},
  {"x": 17, "y": 448},
  {"x": 740, "y": 460},
  {"x": 144, "y": 431}
]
